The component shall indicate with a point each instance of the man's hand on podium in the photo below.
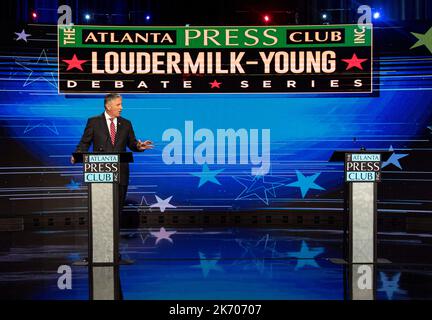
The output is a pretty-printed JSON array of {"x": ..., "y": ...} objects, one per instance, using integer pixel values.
[
  {"x": 72, "y": 160},
  {"x": 144, "y": 145}
]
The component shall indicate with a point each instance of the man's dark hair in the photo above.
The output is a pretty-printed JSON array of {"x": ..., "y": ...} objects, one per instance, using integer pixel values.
[{"x": 110, "y": 97}]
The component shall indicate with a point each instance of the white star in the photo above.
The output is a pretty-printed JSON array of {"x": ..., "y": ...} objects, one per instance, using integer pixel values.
[
  {"x": 22, "y": 35},
  {"x": 162, "y": 204},
  {"x": 163, "y": 234}
]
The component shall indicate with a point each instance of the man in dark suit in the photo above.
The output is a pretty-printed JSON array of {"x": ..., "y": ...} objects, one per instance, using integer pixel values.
[{"x": 109, "y": 132}]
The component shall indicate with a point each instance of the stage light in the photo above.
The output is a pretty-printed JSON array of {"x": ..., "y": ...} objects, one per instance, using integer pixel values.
[
  {"x": 34, "y": 15},
  {"x": 377, "y": 15},
  {"x": 147, "y": 17},
  {"x": 87, "y": 16},
  {"x": 324, "y": 16},
  {"x": 266, "y": 18}
]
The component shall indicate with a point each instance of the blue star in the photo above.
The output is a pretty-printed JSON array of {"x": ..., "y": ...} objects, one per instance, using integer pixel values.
[
  {"x": 207, "y": 175},
  {"x": 49, "y": 76},
  {"x": 73, "y": 185},
  {"x": 305, "y": 183},
  {"x": 390, "y": 287},
  {"x": 208, "y": 264},
  {"x": 305, "y": 256},
  {"x": 258, "y": 187},
  {"x": 394, "y": 159},
  {"x": 50, "y": 125},
  {"x": 22, "y": 35}
]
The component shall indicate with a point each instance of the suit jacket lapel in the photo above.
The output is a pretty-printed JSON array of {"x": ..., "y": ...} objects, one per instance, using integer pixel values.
[{"x": 105, "y": 126}]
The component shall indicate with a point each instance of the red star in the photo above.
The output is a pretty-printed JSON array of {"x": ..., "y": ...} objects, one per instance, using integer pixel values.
[
  {"x": 354, "y": 62},
  {"x": 75, "y": 63},
  {"x": 215, "y": 84}
]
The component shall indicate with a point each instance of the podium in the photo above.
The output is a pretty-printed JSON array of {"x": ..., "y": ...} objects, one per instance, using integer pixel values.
[
  {"x": 102, "y": 171},
  {"x": 362, "y": 171}
]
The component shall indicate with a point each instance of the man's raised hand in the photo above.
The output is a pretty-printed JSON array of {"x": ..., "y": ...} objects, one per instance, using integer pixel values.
[{"x": 144, "y": 145}]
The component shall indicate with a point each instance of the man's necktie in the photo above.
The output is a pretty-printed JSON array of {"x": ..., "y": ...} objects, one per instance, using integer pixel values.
[{"x": 112, "y": 131}]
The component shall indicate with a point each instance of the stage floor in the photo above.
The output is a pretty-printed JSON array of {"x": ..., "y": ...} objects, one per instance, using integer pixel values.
[{"x": 237, "y": 263}]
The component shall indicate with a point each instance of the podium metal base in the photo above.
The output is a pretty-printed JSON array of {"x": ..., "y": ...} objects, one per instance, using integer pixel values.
[
  {"x": 340, "y": 261},
  {"x": 83, "y": 263}
]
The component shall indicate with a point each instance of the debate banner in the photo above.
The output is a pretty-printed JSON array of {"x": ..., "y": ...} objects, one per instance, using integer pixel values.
[{"x": 246, "y": 59}]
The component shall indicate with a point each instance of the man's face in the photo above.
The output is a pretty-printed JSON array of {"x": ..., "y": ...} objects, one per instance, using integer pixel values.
[{"x": 114, "y": 107}]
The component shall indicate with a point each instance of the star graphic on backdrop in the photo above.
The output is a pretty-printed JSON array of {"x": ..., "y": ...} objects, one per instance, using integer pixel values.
[
  {"x": 22, "y": 35},
  {"x": 394, "y": 159},
  {"x": 75, "y": 63},
  {"x": 41, "y": 63},
  {"x": 305, "y": 183},
  {"x": 255, "y": 253},
  {"x": 354, "y": 62},
  {"x": 73, "y": 185},
  {"x": 207, "y": 264},
  {"x": 50, "y": 125},
  {"x": 215, "y": 84},
  {"x": 306, "y": 257},
  {"x": 163, "y": 234},
  {"x": 260, "y": 187},
  {"x": 207, "y": 175},
  {"x": 390, "y": 287},
  {"x": 162, "y": 204},
  {"x": 144, "y": 205},
  {"x": 423, "y": 40}
]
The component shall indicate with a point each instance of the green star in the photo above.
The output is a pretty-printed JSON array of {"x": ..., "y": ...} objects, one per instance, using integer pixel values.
[{"x": 423, "y": 40}]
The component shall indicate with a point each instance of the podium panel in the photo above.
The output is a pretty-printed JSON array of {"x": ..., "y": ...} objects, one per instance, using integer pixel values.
[
  {"x": 104, "y": 283},
  {"x": 102, "y": 222},
  {"x": 363, "y": 220}
]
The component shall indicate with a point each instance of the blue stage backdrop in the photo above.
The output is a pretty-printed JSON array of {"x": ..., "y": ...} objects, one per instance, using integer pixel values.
[{"x": 288, "y": 138}]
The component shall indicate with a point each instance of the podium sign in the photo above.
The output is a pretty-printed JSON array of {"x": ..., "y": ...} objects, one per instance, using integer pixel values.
[
  {"x": 101, "y": 168},
  {"x": 362, "y": 167}
]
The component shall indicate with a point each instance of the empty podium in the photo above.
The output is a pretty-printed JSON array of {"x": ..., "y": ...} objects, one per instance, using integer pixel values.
[{"x": 362, "y": 170}]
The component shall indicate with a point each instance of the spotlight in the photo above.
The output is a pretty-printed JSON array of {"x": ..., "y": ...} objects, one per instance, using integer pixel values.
[
  {"x": 87, "y": 16},
  {"x": 324, "y": 16},
  {"x": 377, "y": 15},
  {"x": 266, "y": 18},
  {"x": 34, "y": 15},
  {"x": 147, "y": 17}
]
